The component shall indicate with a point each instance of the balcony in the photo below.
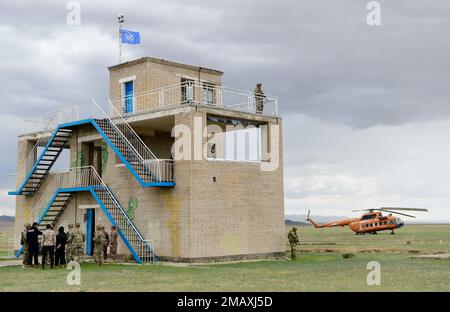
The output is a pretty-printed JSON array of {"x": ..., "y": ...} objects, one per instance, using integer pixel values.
[
  {"x": 190, "y": 92},
  {"x": 53, "y": 132}
]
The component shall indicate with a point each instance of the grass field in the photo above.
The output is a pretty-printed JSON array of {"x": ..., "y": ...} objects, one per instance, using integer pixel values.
[
  {"x": 319, "y": 267},
  {"x": 6, "y": 235},
  {"x": 412, "y": 238}
]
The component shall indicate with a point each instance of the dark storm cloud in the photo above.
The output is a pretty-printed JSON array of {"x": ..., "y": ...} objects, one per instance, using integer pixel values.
[
  {"x": 327, "y": 66},
  {"x": 320, "y": 57}
]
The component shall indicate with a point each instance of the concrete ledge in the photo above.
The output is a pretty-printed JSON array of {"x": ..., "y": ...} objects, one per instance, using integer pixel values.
[{"x": 271, "y": 255}]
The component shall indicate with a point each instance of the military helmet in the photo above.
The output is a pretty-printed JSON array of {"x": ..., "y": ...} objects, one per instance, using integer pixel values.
[
  {"x": 70, "y": 226},
  {"x": 77, "y": 224},
  {"x": 27, "y": 225},
  {"x": 294, "y": 228}
]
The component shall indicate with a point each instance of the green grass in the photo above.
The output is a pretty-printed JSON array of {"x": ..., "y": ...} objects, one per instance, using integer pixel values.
[
  {"x": 311, "y": 272},
  {"x": 412, "y": 238},
  {"x": 6, "y": 234},
  {"x": 320, "y": 270}
]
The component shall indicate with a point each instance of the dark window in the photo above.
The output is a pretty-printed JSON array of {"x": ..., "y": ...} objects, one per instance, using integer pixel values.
[{"x": 368, "y": 217}]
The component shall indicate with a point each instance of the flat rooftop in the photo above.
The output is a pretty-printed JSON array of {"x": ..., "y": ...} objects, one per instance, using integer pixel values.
[{"x": 167, "y": 63}]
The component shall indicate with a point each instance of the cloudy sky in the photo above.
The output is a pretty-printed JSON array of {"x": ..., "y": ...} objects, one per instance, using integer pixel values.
[{"x": 366, "y": 108}]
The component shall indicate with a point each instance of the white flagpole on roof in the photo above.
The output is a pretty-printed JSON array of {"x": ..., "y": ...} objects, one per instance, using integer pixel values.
[{"x": 120, "y": 20}]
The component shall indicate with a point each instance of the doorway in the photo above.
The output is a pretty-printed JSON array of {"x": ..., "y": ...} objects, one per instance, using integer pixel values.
[
  {"x": 129, "y": 92},
  {"x": 95, "y": 157},
  {"x": 90, "y": 229}
]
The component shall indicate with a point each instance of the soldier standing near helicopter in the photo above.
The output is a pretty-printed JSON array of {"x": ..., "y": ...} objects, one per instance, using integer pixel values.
[{"x": 293, "y": 241}]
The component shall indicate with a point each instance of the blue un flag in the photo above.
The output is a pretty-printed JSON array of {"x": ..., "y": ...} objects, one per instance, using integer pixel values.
[{"x": 131, "y": 37}]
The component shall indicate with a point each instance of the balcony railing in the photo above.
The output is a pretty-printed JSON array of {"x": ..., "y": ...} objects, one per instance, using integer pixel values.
[
  {"x": 46, "y": 122},
  {"x": 196, "y": 93},
  {"x": 12, "y": 181},
  {"x": 161, "y": 169}
]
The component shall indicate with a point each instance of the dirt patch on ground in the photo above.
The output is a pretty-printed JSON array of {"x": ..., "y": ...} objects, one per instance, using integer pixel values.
[
  {"x": 440, "y": 256},
  {"x": 322, "y": 244},
  {"x": 371, "y": 251}
]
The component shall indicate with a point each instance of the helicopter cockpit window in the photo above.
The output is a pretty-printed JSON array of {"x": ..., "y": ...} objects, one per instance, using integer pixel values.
[{"x": 367, "y": 217}]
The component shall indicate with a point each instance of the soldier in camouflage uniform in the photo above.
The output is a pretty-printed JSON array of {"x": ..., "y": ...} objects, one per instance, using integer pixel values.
[
  {"x": 78, "y": 243},
  {"x": 259, "y": 98},
  {"x": 293, "y": 241},
  {"x": 69, "y": 244},
  {"x": 23, "y": 242},
  {"x": 113, "y": 242},
  {"x": 99, "y": 244}
]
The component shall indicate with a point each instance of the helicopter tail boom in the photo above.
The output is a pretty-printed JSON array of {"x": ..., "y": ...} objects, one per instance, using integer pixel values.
[{"x": 330, "y": 224}]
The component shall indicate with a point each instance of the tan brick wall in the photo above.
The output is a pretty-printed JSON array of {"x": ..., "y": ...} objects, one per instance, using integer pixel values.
[
  {"x": 150, "y": 76},
  {"x": 242, "y": 213}
]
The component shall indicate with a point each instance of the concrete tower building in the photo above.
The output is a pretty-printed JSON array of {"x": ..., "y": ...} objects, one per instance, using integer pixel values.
[{"x": 187, "y": 169}]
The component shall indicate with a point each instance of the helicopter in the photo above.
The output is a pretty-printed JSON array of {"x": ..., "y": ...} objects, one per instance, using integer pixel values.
[{"x": 372, "y": 221}]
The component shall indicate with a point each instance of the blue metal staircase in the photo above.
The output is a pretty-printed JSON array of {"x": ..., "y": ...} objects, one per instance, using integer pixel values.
[
  {"x": 120, "y": 136},
  {"x": 85, "y": 179},
  {"x": 57, "y": 143},
  {"x": 146, "y": 171},
  {"x": 51, "y": 216}
]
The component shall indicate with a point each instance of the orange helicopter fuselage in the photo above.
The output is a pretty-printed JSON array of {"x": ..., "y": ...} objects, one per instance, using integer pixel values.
[{"x": 370, "y": 222}]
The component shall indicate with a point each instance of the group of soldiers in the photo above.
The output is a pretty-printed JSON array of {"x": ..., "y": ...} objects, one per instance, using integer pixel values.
[
  {"x": 70, "y": 247},
  {"x": 66, "y": 247},
  {"x": 101, "y": 241},
  {"x": 75, "y": 243}
]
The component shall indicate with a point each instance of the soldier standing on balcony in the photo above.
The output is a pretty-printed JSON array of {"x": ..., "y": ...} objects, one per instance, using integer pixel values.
[{"x": 259, "y": 98}]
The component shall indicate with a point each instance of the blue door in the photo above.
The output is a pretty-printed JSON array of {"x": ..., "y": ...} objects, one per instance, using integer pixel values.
[
  {"x": 90, "y": 225},
  {"x": 129, "y": 88}
]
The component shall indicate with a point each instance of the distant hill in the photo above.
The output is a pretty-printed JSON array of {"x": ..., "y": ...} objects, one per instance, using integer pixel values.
[
  {"x": 294, "y": 223},
  {"x": 6, "y": 219},
  {"x": 316, "y": 218}
]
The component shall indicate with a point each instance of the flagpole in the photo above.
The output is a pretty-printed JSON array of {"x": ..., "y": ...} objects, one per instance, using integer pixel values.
[{"x": 120, "y": 20}]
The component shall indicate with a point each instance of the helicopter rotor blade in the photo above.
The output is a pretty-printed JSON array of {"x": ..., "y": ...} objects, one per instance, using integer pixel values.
[
  {"x": 402, "y": 208},
  {"x": 403, "y": 214}
]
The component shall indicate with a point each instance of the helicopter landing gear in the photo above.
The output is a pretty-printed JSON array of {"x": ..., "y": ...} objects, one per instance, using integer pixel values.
[{"x": 392, "y": 232}]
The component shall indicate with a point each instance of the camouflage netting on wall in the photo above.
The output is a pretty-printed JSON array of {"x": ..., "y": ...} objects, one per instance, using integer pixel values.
[
  {"x": 79, "y": 160},
  {"x": 132, "y": 206},
  {"x": 105, "y": 155}
]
